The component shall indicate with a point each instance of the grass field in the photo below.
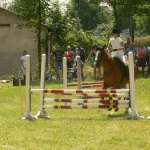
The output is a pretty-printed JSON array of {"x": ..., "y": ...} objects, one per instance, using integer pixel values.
[{"x": 72, "y": 129}]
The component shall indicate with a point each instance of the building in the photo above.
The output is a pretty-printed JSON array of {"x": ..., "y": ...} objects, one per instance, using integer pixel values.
[{"x": 14, "y": 40}]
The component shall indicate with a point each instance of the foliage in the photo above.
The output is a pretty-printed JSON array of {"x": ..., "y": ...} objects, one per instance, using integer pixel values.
[
  {"x": 89, "y": 13},
  {"x": 124, "y": 9},
  {"x": 142, "y": 25},
  {"x": 145, "y": 40},
  {"x": 103, "y": 30}
]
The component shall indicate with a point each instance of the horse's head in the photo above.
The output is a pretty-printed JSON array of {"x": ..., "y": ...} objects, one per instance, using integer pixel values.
[{"x": 102, "y": 52}]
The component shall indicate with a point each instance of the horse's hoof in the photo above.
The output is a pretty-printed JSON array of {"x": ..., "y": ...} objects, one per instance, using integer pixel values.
[
  {"x": 109, "y": 109},
  {"x": 80, "y": 104},
  {"x": 116, "y": 109},
  {"x": 126, "y": 111}
]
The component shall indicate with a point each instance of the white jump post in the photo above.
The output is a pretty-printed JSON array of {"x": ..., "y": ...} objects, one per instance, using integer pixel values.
[
  {"x": 65, "y": 76},
  {"x": 134, "y": 114},
  {"x": 79, "y": 72},
  {"x": 28, "y": 114},
  {"x": 42, "y": 113}
]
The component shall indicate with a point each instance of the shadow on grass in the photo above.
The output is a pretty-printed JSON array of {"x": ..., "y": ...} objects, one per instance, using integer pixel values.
[
  {"x": 80, "y": 119},
  {"x": 37, "y": 83},
  {"x": 118, "y": 116}
]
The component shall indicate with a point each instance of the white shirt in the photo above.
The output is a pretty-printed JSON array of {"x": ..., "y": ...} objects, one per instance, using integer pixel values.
[
  {"x": 23, "y": 59},
  {"x": 116, "y": 44}
]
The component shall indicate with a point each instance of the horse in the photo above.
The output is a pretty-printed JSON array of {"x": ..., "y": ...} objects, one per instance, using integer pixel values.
[{"x": 113, "y": 76}]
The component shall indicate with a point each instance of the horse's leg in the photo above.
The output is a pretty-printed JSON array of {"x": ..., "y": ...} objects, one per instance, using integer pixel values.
[
  {"x": 94, "y": 72},
  {"x": 105, "y": 86},
  {"x": 99, "y": 71},
  {"x": 143, "y": 70},
  {"x": 135, "y": 71}
]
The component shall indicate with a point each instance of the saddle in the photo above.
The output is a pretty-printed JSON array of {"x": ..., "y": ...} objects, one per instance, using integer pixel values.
[{"x": 124, "y": 68}]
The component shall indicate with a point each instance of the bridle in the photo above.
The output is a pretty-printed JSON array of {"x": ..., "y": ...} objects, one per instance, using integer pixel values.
[{"x": 101, "y": 60}]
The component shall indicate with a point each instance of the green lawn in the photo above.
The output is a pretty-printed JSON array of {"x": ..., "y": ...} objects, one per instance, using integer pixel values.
[{"x": 72, "y": 129}]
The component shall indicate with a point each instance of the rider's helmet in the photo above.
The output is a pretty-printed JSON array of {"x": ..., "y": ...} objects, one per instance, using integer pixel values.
[{"x": 115, "y": 31}]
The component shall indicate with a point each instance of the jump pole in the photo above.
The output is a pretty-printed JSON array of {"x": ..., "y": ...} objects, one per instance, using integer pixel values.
[
  {"x": 42, "y": 113},
  {"x": 134, "y": 114},
  {"x": 85, "y": 83},
  {"x": 28, "y": 114}
]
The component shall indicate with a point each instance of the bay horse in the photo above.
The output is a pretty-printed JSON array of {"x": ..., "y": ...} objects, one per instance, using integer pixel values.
[{"x": 113, "y": 76}]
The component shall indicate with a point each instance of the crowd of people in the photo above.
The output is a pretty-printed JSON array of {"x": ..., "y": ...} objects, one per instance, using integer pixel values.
[
  {"x": 115, "y": 47},
  {"x": 70, "y": 55},
  {"x": 141, "y": 54}
]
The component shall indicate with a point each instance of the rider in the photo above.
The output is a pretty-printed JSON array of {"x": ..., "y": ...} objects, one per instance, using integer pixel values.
[{"x": 116, "y": 44}]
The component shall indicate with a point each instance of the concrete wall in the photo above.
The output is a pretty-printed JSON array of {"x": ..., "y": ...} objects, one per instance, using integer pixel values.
[{"x": 13, "y": 41}]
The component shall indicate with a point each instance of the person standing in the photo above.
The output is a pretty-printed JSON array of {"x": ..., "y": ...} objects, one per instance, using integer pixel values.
[
  {"x": 131, "y": 49},
  {"x": 127, "y": 44},
  {"x": 69, "y": 54},
  {"x": 23, "y": 64},
  {"x": 94, "y": 64},
  {"x": 141, "y": 57},
  {"x": 58, "y": 55},
  {"x": 81, "y": 52},
  {"x": 148, "y": 59},
  {"x": 116, "y": 44}
]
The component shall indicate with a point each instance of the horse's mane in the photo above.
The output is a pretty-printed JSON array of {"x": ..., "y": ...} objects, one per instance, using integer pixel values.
[{"x": 104, "y": 56}]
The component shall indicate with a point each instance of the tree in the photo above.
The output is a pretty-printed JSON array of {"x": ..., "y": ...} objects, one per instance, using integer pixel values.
[
  {"x": 125, "y": 10},
  {"x": 89, "y": 13}
]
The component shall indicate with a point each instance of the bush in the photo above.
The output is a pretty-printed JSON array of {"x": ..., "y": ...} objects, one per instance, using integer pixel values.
[{"x": 144, "y": 40}]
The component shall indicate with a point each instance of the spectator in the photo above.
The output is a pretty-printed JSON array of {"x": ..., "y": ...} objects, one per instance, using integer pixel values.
[
  {"x": 58, "y": 55},
  {"x": 80, "y": 51},
  {"x": 70, "y": 56},
  {"x": 131, "y": 49},
  {"x": 92, "y": 54},
  {"x": 47, "y": 74},
  {"x": 127, "y": 44},
  {"x": 141, "y": 57},
  {"x": 94, "y": 63},
  {"x": 148, "y": 58},
  {"x": 23, "y": 64}
]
